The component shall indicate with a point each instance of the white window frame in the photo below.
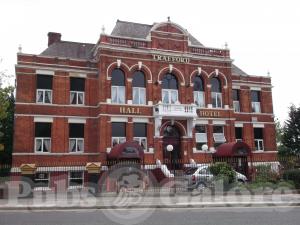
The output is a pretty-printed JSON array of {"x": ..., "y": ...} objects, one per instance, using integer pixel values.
[
  {"x": 43, "y": 96},
  {"x": 141, "y": 101},
  {"x": 216, "y": 94},
  {"x": 37, "y": 180},
  {"x": 255, "y": 107},
  {"x": 77, "y": 97},
  {"x": 260, "y": 144},
  {"x": 120, "y": 140},
  {"x": 75, "y": 186},
  {"x": 236, "y": 106},
  {"x": 139, "y": 140},
  {"x": 76, "y": 144},
  {"x": 197, "y": 96},
  {"x": 118, "y": 94},
  {"x": 41, "y": 138},
  {"x": 170, "y": 91},
  {"x": 215, "y": 136}
]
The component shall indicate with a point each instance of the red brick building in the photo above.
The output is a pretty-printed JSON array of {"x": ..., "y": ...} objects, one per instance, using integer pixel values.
[{"x": 155, "y": 84}]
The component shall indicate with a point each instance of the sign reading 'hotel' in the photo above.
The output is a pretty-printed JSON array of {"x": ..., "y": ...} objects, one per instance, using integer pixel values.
[
  {"x": 209, "y": 114},
  {"x": 167, "y": 58}
]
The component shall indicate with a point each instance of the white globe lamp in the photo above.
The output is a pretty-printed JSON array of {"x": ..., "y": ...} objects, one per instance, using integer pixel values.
[
  {"x": 204, "y": 148},
  {"x": 170, "y": 148}
]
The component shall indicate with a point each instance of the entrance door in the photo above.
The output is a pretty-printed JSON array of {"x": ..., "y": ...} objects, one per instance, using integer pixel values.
[{"x": 171, "y": 136}]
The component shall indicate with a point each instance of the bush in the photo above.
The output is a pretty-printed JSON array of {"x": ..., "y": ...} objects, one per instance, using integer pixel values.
[
  {"x": 264, "y": 173},
  {"x": 224, "y": 171},
  {"x": 294, "y": 176}
]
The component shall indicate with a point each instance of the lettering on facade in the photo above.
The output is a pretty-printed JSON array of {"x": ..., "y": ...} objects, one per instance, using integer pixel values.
[
  {"x": 209, "y": 114},
  {"x": 130, "y": 110},
  {"x": 167, "y": 58}
]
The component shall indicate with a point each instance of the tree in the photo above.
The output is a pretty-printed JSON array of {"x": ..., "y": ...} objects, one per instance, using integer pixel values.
[
  {"x": 7, "y": 102},
  {"x": 291, "y": 132}
]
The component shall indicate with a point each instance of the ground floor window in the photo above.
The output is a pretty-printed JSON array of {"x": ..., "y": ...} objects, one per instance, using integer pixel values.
[
  {"x": 42, "y": 180},
  {"x": 75, "y": 179},
  {"x": 238, "y": 134},
  {"x": 118, "y": 131},
  {"x": 140, "y": 134},
  {"x": 218, "y": 135},
  {"x": 200, "y": 136}
]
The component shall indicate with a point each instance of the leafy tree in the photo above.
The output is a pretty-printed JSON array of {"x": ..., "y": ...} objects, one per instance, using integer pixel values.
[
  {"x": 7, "y": 102},
  {"x": 291, "y": 132}
]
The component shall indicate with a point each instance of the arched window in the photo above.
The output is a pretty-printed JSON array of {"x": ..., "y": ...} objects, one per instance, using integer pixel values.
[
  {"x": 139, "y": 88},
  {"x": 216, "y": 92},
  {"x": 199, "y": 91},
  {"x": 169, "y": 89},
  {"x": 118, "y": 86}
]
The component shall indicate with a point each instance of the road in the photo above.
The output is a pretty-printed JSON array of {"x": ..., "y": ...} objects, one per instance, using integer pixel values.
[{"x": 200, "y": 216}]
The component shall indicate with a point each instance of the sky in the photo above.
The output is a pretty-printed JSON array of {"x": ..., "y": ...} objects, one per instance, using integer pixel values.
[{"x": 262, "y": 35}]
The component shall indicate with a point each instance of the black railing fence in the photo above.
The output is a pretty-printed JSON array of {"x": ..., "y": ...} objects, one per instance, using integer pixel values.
[{"x": 170, "y": 176}]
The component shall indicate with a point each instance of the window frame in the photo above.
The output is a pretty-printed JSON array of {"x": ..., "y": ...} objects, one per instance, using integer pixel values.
[
  {"x": 218, "y": 133},
  {"x": 75, "y": 186},
  {"x": 200, "y": 143},
  {"x": 170, "y": 96},
  {"x": 43, "y": 96},
  {"x": 42, "y": 145},
  {"x": 76, "y": 145},
  {"x": 77, "y": 97},
  {"x": 141, "y": 101},
  {"x": 197, "y": 95},
  {"x": 117, "y": 88},
  {"x": 215, "y": 103}
]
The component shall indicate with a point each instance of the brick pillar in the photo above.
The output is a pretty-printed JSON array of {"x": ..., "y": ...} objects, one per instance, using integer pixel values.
[
  {"x": 230, "y": 131},
  {"x": 248, "y": 135},
  {"x": 210, "y": 141},
  {"x": 208, "y": 95},
  {"x": 128, "y": 92},
  {"x": 158, "y": 151},
  {"x": 129, "y": 130},
  {"x": 150, "y": 133},
  {"x": 269, "y": 134},
  {"x": 245, "y": 99}
]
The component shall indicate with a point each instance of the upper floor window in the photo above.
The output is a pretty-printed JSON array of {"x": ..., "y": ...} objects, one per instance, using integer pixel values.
[
  {"x": 44, "y": 89},
  {"x": 258, "y": 139},
  {"x": 236, "y": 100},
  {"x": 76, "y": 137},
  {"x": 216, "y": 92},
  {"x": 218, "y": 135},
  {"x": 118, "y": 87},
  {"x": 169, "y": 89},
  {"x": 77, "y": 86},
  {"x": 118, "y": 133},
  {"x": 201, "y": 136},
  {"x": 238, "y": 134},
  {"x": 255, "y": 101},
  {"x": 199, "y": 92},
  {"x": 42, "y": 137},
  {"x": 140, "y": 134},
  {"x": 139, "y": 88}
]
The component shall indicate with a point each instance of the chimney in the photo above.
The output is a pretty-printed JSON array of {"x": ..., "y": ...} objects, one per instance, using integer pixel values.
[{"x": 53, "y": 37}]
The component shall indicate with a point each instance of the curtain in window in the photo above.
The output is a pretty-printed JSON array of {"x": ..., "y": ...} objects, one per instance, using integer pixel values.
[
  {"x": 174, "y": 97},
  {"x": 144, "y": 143},
  {"x": 143, "y": 96},
  {"x": 40, "y": 96},
  {"x": 165, "y": 96},
  {"x": 136, "y": 96},
  {"x": 80, "y": 98},
  {"x": 114, "y": 96},
  {"x": 80, "y": 145},
  {"x": 214, "y": 99},
  {"x": 48, "y": 97},
  {"x": 121, "y": 94},
  {"x": 38, "y": 145},
  {"x": 72, "y": 147},
  {"x": 73, "y": 97},
  {"x": 47, "y": 144}
]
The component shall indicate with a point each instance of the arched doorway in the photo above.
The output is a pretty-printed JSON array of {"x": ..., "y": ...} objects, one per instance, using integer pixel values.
[{"x": 171, "y": 136}]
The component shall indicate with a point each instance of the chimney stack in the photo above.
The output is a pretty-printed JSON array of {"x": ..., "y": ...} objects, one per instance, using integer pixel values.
[{"x": 53, "y": 37}]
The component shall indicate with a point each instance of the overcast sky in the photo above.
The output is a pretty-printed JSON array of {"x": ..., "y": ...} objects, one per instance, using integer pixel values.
[{"x": 263, "y": 35}]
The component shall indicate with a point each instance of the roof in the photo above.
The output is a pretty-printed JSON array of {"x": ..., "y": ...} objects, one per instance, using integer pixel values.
[
  {"x": 233, "y": 149},
  {"x": 237, "y": 71},
  {"x": 68, "y": 49},
  {"x": 139, "y": 30},
  {"x": 127, "y": 150}
]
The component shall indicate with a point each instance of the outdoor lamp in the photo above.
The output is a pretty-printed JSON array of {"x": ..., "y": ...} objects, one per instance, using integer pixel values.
[
  {"x": 204, "y": 148},
  {"x": 169, "y": 148}
]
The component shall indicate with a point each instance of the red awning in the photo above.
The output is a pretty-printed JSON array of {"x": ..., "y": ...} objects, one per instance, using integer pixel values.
[
  {"x": 233, "y": 149},
  {"x": 127, "y": 150}
]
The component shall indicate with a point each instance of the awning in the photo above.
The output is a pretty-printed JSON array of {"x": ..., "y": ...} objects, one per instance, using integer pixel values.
[
  {"x": 127, "y": 150},
  {"x": 233, "y": 149}
]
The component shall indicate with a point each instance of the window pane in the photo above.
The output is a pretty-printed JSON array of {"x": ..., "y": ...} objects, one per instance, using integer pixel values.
[
  {"x": 138, "y": 79},
  {"x": 174, "y": 97},
  {"x": 40, "y": 95},
  {"x": 44, "y": 82},
  {"x": 72, "y": 145},
  {"x": 255, "y": 96},
  {"x": 115, "y": 141},
  {"x": 121, "y": 95},
  {"x": 47, "y": 145},
  {"x": 38, "y": 145},
  {"x": 235, "y": 95},
  {"x": 117, "y": 78},
  {"x": 48, "y": 96},
  {"x": 144, "y": 143},
  {"x": 214, "y": 99},
  {"x": 200, "y": 129},
  {"x": 169, "y": 82},
  {"x": 79, "y": 145},
  {"x": 143, "y": 96},
  {"x": 73, "y": 97},
  {"x": 42, "y": 129},
  {"x": 77, "y": 84},
  {"x": 217, "y": 129},
  {"x": 80, "y": 98},
  {"x": 76, "y": 130},
  {"x": 215, "y": 85},
  {"x": 258, "y": 133},
  {"x": 118, "y": 129},
  {"x": 238, "y": 133},
  {"x": 219, "y": 100},
  {"x": 140, "y": 130},
  {"x": 165, "y": 95},
  {"x": 136, "y": 96},
  {"x": 114, "y": 95},
  {"x": 198, "y": 84}
]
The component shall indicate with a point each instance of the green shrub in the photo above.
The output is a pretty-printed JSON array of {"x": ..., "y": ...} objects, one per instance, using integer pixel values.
[
  {"x": 293, "y": 176},
  {"x": 264, "y": 173},
  {"x": 223, "y": 171}
]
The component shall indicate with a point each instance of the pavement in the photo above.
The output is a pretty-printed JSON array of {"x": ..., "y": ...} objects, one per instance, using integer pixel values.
[{"x": 83, "y": 200}]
